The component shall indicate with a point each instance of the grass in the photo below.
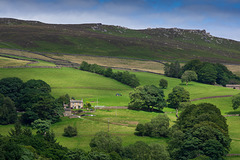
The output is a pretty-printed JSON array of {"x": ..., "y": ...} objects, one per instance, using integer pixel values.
[
  {"x": 87, "y": 129},
  {"x": 42, "y": 63},
  {"x": 12, "y": 62},
  {"x": 91, "y": 87},
  {"x": 115, "y": 62},
  {"x": 224, "y": 104},
  {"x": 117, "y": 41},
  {"x": 233, "y": 124},
  {"x": 76, "y": 83},
  {"x": 23, "y": 54}
]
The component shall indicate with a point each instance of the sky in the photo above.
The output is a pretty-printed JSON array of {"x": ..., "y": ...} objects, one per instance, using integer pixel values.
[{"x": 219, "y": 17}]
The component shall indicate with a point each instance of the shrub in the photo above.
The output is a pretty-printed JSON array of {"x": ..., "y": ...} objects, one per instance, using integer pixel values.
[
  {"x": 163, "y": 83},
  {"x": 70, "y": 131}
]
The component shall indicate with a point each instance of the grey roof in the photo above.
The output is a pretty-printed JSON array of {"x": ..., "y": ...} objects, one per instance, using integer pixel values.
[
  {"x": 67, "y": 109},
  {"x": 76, "y": 101},
  {"x": 232, "y": 85}
]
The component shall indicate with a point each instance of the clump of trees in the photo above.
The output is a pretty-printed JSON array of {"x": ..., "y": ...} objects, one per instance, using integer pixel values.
[
  {"x": 123, "y": 77},
  {"x": 147, "y": 97},
  {"x": 208, "y": 73},
  {"x": 33, "y": 97},
  {"x": 158, "y": 127},
  {"x": 173, "y": 69},
  {"x": 200, "y": 130}
]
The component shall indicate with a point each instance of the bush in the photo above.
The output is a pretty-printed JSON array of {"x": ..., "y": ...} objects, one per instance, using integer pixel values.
[
  {"x": 163, "y": 83},
  {"x": 70, "y": 131},
  {"x": 158, "y": 127}
]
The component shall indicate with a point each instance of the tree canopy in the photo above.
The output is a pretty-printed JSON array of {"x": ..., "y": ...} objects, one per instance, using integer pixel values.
[
  {"x": 200, "y": 130},
  {"x": 123, "y": 77},
  {"x": 104, "y": 142},
  {"x": 148, "y": 96},
  {"x": 158, "y": 127},
  {"x": 8, "y": 113},
  {"x": 178, "y": 95},
  {"x": 163, "y": 83},
  {"x": 188, "y": 76},
  {"x": 236, "y": 101},
  {"x": 173, "y": 69},
  {"x": 10, "y": 87}
]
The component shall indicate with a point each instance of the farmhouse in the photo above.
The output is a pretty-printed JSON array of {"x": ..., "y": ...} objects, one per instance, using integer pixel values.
[
  {"x": 233, "y": 86},
  {"x": 76, "y": 104}
]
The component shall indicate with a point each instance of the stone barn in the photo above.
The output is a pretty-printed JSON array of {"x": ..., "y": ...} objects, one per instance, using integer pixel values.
[{"x": 67, "y": 112}]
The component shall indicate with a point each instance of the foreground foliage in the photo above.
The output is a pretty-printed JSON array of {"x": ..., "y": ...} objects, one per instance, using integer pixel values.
[
  {"x": 8, "y": 113},
  {"x": 33, "y": 97},
  {"x": 200, "y": 130}
]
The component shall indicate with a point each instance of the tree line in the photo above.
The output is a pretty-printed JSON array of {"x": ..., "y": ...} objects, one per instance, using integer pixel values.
[
  {"x": 208, "y": 73},
  {"x": 123, "y": 77}
]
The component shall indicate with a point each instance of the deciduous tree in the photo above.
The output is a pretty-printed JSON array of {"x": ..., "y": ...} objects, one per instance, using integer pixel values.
[
  {"x": 188, "y": 76},
  {"x": 104, "y": 142},
  {"x": 8, "y": 113},
  {"x": 42, "y": 126},
  {"x": 163, "y": 83},
  {"x": 236, "y": 101},
  {"x": 147, "y": 96},
  {"x": 177, "y": 96}
]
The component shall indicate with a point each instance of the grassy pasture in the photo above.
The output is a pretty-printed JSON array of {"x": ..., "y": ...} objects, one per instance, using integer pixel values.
[
  {"x": 91, "y": 87},
  {"x": 76, "y": 83},
  {"x": 224, "y": 104},
  {"x": 87, "y": 128}
]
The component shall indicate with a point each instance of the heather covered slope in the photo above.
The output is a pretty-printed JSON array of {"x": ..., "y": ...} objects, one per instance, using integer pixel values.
[{"x": 116, "y": 41}]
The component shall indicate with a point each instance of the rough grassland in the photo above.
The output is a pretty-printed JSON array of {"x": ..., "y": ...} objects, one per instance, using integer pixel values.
[
  {"x": 12, "y": 62},
  {"x": 114, "y": 62},
  {"x": 23, "y": 53}
]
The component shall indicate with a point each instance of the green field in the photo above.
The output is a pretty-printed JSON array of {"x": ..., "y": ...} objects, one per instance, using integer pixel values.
[{"x": 91, "y": 87}]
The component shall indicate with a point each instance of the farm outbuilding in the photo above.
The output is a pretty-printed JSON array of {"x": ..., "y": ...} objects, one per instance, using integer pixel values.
[{"x": 233, "y": 86}]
